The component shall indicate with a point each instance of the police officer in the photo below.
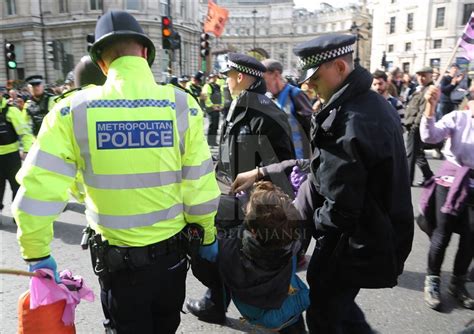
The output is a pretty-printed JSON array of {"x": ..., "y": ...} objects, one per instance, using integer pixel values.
[
  {"x": 13, "y": 130},
  {"x": 38, "y": 105},
  {"x": 147, "y": 172},
  {"x": 359, "y": 177},
  {"x": 356, "y": 199},
  {"x": 195, "y": 85},
  {"x": 255, "y": 134},
  {"x": 213, "y": 100}
]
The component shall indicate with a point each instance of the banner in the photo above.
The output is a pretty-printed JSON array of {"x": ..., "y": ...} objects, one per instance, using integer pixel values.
[
  {"x": 467, "y": 39},
  {"x": 216, "y": 19}
]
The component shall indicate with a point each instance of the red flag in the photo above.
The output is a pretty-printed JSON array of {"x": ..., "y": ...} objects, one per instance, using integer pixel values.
[
  {"x": 467, "y": 39},
  {"x": 216, "y": 19}
]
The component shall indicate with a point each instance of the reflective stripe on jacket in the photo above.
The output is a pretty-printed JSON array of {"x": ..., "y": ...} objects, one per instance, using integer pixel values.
[{"x": 141, "y": 150}]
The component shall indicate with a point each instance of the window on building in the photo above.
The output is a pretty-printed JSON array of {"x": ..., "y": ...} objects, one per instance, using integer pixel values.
[
  {"x": 305, "y": 29},
  {"x": 96, "y": 4},
  {"x": 437, "y": 44},
  {"x": 392, "y": 1},
  {"x": 440, "y": 17},
  {"x": 392, "y": 25},
  {"x": 390, "y": 48},
  {"x": 406, "y": 67},
  {"x": 434, "y": 62},
  {"x": 63, "y": 8},
  {"x": 132, "y": 4},
  {"x": 468, "y": 9},
  {"x": 408, "y": 46},
  {"x": 11, "y": 7},
  {"x": 409, "y": 21},
  {"x": 164, "y": 8}
]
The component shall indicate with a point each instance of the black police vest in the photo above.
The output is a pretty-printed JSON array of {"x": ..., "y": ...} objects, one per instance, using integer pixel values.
[
  {"x": 37, "y": 111},
  {"x": 216, "y": 96},
  {"x": 7, "y": 131}
]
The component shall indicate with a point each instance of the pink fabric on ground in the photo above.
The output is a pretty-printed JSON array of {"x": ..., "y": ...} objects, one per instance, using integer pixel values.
[{"x": 44, "y": 291}]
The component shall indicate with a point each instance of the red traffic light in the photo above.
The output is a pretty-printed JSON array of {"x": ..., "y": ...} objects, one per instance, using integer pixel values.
[{"x": 165, "y": 21}]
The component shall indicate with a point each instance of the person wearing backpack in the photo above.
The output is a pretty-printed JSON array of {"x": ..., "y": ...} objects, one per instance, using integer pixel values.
[
  {"x": 452, "y": 92},
  {"x": 294, "y": 102}
]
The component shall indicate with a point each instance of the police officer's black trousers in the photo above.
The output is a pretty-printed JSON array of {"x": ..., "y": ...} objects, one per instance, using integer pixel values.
[
  {"x": 213, "y": 117},
  {"x": 416, "y": 155},
  {"x": 332, "y": 307},
  {"x": 10, "y": 163},
  {"x": 148, "y": 299}
]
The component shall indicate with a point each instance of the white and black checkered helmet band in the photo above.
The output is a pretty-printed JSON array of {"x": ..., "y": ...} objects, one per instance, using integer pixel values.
[
  {"x": 245, "y": 69},
  {"x": 318, "y": 59}
]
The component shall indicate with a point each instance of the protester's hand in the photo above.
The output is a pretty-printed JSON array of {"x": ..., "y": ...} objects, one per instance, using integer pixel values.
[
  {"x": 209, "y": 252},
  {"x": 244, "y": 181},
  {"x": 48, "y": 263},
  {"x": 432, "y": 94},
  {"x": 431, "y": 97},
  {"x": 458, "y": 78},
  {"x": 23, "y": 155},
  {"x": 297, "y": 177}
]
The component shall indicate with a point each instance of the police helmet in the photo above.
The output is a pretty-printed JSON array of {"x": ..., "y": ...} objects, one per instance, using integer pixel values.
[{"x": 117, "y": 24}]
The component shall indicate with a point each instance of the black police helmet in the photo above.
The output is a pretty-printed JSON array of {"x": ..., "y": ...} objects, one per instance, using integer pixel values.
[{"x": 117, "y": 24}]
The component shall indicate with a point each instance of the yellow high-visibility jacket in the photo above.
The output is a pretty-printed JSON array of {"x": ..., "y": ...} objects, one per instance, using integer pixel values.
[
  {"x": 22, "y": 129},
  {"x": 207, "y": 91},
  {"x": 141, "y": 150}
]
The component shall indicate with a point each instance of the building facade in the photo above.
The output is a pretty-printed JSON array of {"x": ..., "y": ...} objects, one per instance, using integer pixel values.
[
  {"x": 419, "y": 33},
  {"x": 276, "y": 26},
  {"x": 31, "y": 24}
]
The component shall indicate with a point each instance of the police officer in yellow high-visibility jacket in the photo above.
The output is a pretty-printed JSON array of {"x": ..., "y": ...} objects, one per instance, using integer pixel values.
[
  {"x": 214, "y": 102},
  {"x": 147, "y": 173},
  {"x": 13, "y": 129}
]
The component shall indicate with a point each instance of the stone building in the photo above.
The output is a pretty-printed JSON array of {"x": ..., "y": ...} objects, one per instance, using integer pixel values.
[
  {"x": 276, "y": 26},
  {"x": 419, "y": 33},
  {"x": 30, "y": 24}
]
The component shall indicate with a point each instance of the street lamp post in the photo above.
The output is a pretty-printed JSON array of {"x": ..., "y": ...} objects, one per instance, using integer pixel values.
[
  {"x": 254, "y": 12},
  {"x": 355, "y": 30}
]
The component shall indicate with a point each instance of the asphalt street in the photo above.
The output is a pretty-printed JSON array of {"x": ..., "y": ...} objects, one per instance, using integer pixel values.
[{"x": 397, "y": 310}]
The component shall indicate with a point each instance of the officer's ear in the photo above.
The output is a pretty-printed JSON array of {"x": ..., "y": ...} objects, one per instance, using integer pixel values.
[
  {"x": 144, "y": 52},
  {"x": 240, "y": 77},
  {"x": 103, "y": 67}
]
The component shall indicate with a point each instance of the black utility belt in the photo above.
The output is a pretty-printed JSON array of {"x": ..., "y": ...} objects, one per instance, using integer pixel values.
[{"x": 119, "y": 258}]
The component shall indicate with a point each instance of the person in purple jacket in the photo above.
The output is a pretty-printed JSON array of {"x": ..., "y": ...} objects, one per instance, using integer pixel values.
[{"x": 451, "y": 194}]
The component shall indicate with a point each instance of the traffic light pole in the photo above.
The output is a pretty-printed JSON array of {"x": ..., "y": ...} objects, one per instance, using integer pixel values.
[
  {"x": 6, "y": 65},
  {"x": 43, "y": 42}
]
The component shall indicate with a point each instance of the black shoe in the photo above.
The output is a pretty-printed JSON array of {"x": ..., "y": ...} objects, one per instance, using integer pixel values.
[
  {"x": 206, "y": 311},
  {"x": 457, "y": 288}
]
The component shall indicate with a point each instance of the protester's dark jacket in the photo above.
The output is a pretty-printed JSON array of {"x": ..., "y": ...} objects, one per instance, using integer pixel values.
[
  {"x": 256, "y": 133},
  {"x": 446, "y": 89},
  {"x": 415, "y": 108},
  {"x": 359, "y": 171},
  {"x": 257, "y": 276}
]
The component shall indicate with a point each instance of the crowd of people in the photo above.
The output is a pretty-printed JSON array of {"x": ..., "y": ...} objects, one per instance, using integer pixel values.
[{"x": 323, "y": 159}]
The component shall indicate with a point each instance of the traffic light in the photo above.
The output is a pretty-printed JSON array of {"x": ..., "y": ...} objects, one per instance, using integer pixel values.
[
  {"x": 52, "y": 48},
  {"x": 204, "y": 45},
  {"x": 10, "y": 57},
  {"x": 167, "y": 32},
  {"x": 90, "y": 41}
]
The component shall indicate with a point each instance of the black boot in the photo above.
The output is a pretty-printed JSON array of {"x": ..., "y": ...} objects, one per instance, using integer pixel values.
[
  {"x": 457, "y": 288},
  {"x": 205, "y": 310}
]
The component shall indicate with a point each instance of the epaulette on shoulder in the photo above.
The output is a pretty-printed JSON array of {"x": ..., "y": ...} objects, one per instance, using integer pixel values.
[{"x": 66, "y": 94}]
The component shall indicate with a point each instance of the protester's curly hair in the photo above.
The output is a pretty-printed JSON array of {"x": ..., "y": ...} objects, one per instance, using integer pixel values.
[{"x": 271, "y": 216}]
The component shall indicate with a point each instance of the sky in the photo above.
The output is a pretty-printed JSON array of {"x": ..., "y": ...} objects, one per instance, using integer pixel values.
[{"x": 312, "y": 4}]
